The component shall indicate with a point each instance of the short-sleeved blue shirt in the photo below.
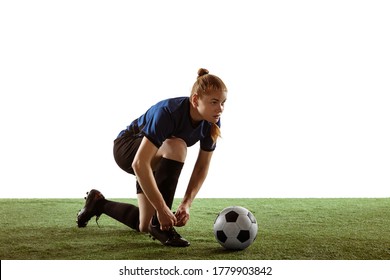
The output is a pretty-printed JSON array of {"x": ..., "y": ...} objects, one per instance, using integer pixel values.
[{"x": 171, "y": 118}]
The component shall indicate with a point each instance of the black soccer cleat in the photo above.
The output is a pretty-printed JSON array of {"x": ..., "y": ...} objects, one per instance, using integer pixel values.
[
  {"x": 92, "y": 207},
  {"x": 169, "y": 237}
]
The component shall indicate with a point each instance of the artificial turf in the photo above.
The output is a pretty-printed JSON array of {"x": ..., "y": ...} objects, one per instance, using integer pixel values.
[{"x": 289, "y": 229}]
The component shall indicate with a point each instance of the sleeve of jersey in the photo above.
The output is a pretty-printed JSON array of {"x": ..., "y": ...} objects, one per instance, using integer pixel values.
[
  {"x": 159, "y": 127},
  {"x": 207, "y": 144}
]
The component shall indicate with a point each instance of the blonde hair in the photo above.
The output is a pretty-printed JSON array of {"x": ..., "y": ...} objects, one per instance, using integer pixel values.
[{"x": 204, "y": 84}]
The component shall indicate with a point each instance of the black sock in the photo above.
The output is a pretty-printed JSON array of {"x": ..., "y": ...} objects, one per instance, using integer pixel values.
[
  {"x": 125, "y": 213},
  {"x": 167, "y": 176}
]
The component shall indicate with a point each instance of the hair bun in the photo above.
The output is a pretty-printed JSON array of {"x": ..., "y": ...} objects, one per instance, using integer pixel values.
[{"x": 202, "y": 72}]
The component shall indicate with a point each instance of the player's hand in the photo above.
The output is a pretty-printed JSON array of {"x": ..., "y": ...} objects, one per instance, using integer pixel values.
[
  {"x": 182, "y": 215},
  {"x": 166, "y": 218}
]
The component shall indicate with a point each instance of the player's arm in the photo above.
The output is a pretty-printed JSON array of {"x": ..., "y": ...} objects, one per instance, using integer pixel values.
[
  {"x": 198, "y": 176},
  {"x": 142, "y": 166}
]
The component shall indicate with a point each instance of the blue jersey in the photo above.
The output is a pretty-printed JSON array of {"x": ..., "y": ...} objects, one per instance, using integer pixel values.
[{"x": 171, "y": 118}]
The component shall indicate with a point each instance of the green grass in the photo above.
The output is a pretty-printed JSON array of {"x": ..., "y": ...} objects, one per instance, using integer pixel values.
[{"x": 297, "y": 229}]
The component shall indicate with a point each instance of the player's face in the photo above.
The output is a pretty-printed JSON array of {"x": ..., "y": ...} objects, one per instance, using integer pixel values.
[{"x": 211, "y": 106}]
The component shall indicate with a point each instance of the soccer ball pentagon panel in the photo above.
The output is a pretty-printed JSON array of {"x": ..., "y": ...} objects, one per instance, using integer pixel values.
[{"x": 235, "y": 228}]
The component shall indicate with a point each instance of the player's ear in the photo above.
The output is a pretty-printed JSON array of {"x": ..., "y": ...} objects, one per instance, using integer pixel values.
[{"x": 195, "y": 99}]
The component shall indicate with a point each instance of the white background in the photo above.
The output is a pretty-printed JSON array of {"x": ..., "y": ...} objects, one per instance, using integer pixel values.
[
  {"x": 308, "y": 104},
  {"x": 281, "y": 270}
]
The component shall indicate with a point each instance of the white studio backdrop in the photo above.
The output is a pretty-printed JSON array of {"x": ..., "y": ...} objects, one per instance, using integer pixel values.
[{"x": 307, "y": 113}]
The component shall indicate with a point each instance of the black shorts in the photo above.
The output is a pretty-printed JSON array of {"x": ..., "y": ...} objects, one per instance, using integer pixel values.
[{"x": 125, "y": 148}]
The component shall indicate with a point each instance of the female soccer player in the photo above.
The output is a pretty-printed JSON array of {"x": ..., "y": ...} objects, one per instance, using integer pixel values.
[{"x": 153, "y": 148}]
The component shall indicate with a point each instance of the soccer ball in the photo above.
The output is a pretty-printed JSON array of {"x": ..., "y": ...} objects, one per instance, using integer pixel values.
[{"x": 235, "y": 228}]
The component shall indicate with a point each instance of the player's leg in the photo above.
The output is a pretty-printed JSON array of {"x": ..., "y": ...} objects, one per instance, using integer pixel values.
[
  {"x": 174, "y": 149},
  {"x": 96, "y": 205},
  {"x": 146, "y": 212},
  {"x": 125, "y": 148},
  {"x": 167, "y": 170},
  {"x": 125, "y": 213},
  {"x": 171, "y": 157},
  {"x": 168, "y": 164}
]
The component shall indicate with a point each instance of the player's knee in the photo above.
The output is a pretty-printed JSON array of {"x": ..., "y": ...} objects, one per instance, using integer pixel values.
[{"x": 176, "y": 149}]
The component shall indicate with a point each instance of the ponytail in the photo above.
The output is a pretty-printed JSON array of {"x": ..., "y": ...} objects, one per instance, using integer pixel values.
[{"x": 215, "y": 132}]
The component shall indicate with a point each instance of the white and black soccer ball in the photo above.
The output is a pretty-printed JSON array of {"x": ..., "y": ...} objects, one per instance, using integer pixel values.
[{"x": 235, "y": 228}]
